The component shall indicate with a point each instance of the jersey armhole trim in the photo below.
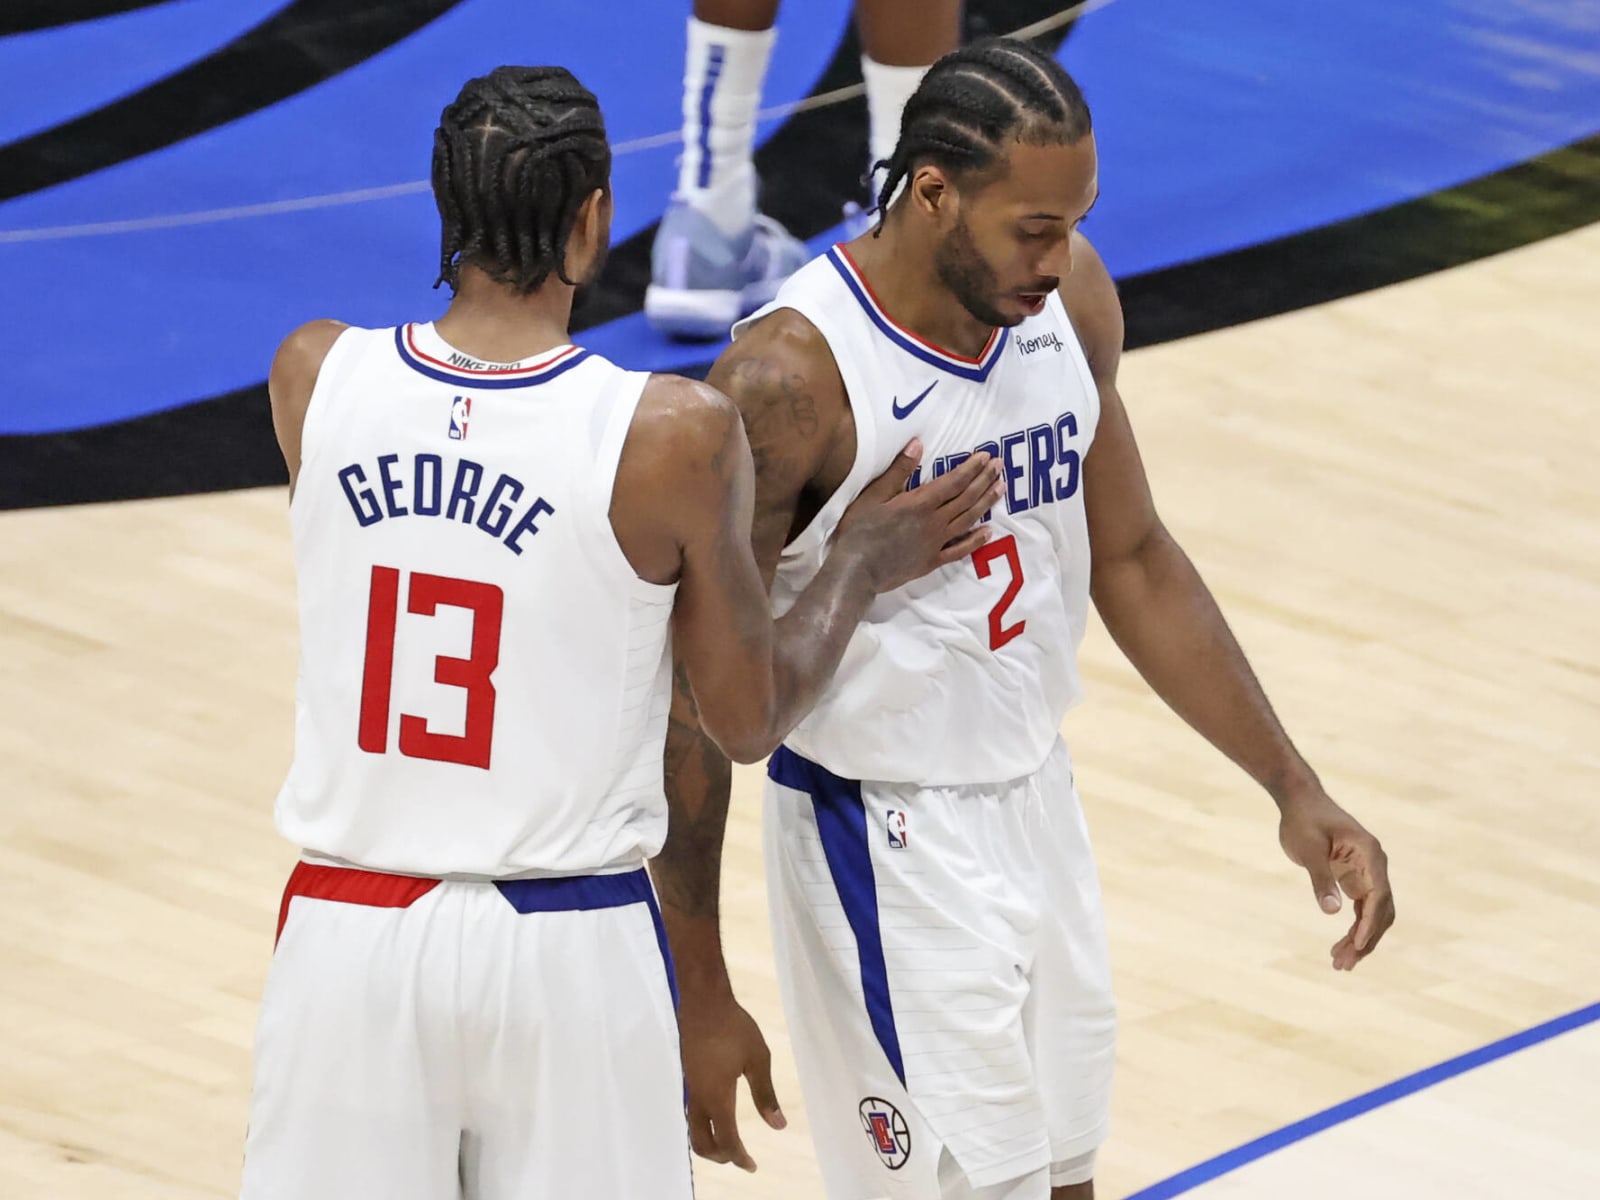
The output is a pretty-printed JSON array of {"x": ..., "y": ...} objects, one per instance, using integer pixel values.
[
  {"x": 866, "y": 435},
  {"x": 626, "y": 389},
  {"x": 1080, "y": 357},
  {"x": 331, "y": 375}
]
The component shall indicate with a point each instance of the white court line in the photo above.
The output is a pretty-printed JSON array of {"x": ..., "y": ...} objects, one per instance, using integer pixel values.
[
  {"x": 271, "y": 208},
  {"x": 211, "y": 216}
]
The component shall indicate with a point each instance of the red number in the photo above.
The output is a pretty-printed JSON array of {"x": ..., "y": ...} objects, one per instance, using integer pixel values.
[
  {"x": 983, "y": 558},
  {"x": 487, "y": 603},
  {"x": 378, "y": 673}
]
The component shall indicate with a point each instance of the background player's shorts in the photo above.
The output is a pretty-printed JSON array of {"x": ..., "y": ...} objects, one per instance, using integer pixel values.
[
  {"x": 942, "y": 957},
  {"x": 425, "y": 1040}
]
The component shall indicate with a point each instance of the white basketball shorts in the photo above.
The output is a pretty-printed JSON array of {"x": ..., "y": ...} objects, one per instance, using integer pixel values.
[
  {"x": 428, "y": 1040},
  {"x": 942, "y": 957}
]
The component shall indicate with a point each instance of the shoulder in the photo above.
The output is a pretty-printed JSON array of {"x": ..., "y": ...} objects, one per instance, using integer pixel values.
[
  {"x": 783, "y": 346},
  {"x": 291, "y": 381},
  {"x": 782, "y": 331},
  {"x": 681, "y": 429},
  {"x": 299, "y": 359},
  {"x": 303, "y": 350},
  {"x": 1090, "y": 296},
  {"x": 684, "y": 411},
  {"x": 782, "y": 376},
  {"x": 678, "y": 473}
]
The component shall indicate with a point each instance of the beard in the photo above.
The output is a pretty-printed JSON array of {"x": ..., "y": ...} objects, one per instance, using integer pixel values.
[{"x": 971, "y": 281}]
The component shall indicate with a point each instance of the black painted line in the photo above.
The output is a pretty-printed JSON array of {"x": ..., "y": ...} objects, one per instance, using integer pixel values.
[
  {"x": 296, "y": 48},
  {"x": 28, "y": 16},
  {"x": 1552, "y": 194}
]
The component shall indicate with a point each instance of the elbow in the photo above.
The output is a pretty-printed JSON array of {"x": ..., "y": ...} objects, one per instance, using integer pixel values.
[
  {"x": 1134, "y": 563},
  {"x": 749, "y": 736},
  {"x": 752, "y": 752},
  {"x": 746, "y": 751},
  {"x": 749, "y": 746}
]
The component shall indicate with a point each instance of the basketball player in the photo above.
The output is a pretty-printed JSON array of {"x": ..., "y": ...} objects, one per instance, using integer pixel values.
[
  {"x": 715, "y": 257},
  {"x": 494, "y": 531},
  {"x": 935, "y": 906}
]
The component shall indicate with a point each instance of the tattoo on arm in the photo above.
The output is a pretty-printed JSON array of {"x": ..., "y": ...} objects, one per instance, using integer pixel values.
[
  {"x": 698, "y": 781},
  {"x": 782, "y": 421},
  {"x": 778, "y": 408}
]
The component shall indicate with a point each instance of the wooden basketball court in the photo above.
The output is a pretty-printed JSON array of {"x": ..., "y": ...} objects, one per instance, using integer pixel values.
[{"x": 1397, "y": 499}]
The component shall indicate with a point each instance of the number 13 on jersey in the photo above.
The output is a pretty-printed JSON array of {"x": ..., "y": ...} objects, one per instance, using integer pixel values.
[{"x": 472, "y": 747}]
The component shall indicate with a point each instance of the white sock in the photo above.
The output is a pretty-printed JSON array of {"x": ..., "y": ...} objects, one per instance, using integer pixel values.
[
  {"x": 722, "y": 82},
  {"x": 888, "y": 89}
]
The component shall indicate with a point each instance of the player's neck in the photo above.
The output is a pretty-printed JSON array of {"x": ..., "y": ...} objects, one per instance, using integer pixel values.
[
  {"x": 491, "y": 322},
  {"x": 901, "y": 274}
]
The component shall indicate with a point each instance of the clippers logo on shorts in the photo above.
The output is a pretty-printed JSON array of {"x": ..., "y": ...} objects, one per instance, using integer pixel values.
[
  {"x": 896, "y": 824},
  {"x": 460, "y": 410},
  {"x": 891, "y": 1137}
]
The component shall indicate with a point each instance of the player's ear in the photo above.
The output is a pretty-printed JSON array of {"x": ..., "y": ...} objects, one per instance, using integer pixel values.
[
  {"x": 930, "y": 190},
  {"x": 591, "y": 234}
]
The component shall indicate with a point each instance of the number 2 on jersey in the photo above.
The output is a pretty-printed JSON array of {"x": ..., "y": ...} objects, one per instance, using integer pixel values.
[
  {"x": 486, "y": 602},
  {"x": 983, "y": 559}
]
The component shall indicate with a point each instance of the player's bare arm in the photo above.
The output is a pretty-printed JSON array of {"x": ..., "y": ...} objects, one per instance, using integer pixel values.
[
  {"x": 783, "y": 380},
  {"x": 1164, "y": 618},
  {"x": 291, "y": 381},
  {"x": 683, "y": 507}
]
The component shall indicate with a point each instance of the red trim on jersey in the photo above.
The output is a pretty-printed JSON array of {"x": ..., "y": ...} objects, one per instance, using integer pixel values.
[
  {"x": 349, "y": 886},
  {"x": 994, "y": 334},
  {"x": 411, "y": 344}
]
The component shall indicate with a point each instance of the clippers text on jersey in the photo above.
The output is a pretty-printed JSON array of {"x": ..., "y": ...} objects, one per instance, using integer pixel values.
[{"x": 1040, "y": 466}]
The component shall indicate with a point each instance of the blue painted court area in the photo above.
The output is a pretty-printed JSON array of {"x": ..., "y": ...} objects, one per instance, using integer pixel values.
[
  {"x": 57, "y": 74},
  {"x": 170, "y": 278},
  {"x": 1226, "y": 125}
]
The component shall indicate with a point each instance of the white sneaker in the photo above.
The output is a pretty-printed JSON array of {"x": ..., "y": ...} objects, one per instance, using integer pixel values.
[{"x": 702, "y": 281}]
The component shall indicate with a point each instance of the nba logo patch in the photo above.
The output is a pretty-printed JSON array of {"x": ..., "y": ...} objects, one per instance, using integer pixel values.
[
  {"x": 888, "y": 1131},
  {"x": 895, "y": 823},
  {"x": 460, "y": 410}
]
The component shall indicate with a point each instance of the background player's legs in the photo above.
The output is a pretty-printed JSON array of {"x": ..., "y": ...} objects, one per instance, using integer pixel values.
[
  {"x": 575, "y": 1087},
  {"x": 715, "y": 258},
  {"x": 753, "y": 15},
  {"x": 900, "y": 40},
  {"x": 357, "y": 1086},
  {"x": 730, "y": 42}
]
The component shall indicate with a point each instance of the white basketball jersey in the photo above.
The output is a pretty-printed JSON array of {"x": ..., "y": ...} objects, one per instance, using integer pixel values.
[
  {"x": 962, "y": 676},
  {"x": 484, "y": 680}
]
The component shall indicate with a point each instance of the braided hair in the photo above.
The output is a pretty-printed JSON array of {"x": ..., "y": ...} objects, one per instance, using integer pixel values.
[
  {"x": 514, "y": 158},
  {"x": 976, "y": 100}
]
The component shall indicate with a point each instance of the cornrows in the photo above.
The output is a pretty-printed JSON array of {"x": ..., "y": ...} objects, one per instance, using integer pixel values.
[
  {"x": 514, "y": 158},
  {"x": 974, "y": 101}
]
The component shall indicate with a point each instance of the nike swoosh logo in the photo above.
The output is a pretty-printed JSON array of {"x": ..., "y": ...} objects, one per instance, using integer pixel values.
[{"x": 900, "y": 414}]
